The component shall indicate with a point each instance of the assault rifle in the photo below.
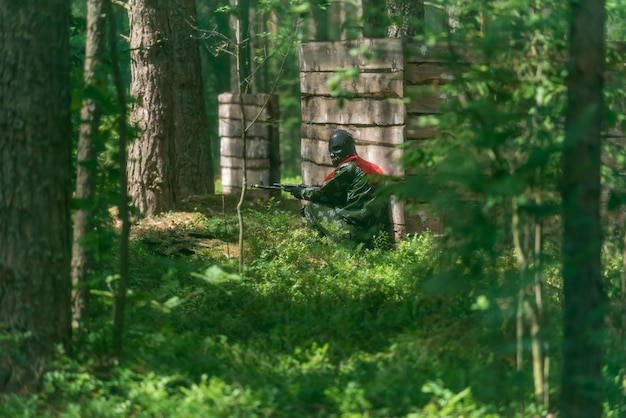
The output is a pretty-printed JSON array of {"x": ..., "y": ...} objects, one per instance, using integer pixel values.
[{"x": 289, "y": 188}]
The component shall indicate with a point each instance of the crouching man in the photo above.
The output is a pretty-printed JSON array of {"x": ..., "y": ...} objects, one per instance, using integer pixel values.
[{"x": 345, "y": 207}]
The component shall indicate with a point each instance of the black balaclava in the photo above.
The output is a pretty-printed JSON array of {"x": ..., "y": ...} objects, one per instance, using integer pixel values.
[{"x": 340, "y": 146}]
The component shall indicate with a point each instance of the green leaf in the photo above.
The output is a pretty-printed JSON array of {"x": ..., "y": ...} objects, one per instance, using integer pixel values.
[{"x": 216, "y": 275}]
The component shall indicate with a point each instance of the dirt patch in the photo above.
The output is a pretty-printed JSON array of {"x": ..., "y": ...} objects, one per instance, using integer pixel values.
[
  {"x": 177, "y": 234},
  {"x": 202, "y": 226}
]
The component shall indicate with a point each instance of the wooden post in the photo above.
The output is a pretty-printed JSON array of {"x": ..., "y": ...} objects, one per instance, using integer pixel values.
[{"x": 263, "y": 154}]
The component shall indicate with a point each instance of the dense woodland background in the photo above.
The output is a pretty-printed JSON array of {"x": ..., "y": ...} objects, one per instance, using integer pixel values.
[{"x": 130, "y": 285}]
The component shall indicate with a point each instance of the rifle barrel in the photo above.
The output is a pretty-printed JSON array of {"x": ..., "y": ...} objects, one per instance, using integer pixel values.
[{"x": 260, "y": 186}]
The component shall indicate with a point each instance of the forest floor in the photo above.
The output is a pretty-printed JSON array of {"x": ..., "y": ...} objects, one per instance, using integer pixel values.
[{"x": 202, "y": 225}]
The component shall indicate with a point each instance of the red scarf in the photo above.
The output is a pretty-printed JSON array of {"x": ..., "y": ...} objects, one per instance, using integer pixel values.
[{"x": 367, "y": 167}]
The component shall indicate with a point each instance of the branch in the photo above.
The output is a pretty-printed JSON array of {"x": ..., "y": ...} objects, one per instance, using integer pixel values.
[{"x": 121, "y": 3}]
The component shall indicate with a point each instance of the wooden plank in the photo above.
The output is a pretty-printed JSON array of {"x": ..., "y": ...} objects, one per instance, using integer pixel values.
[
  {"x": 232, "y": 128},
  {"x": 398, "y": 219},
  {"x": 257, "y": 177},
  {"x": 421, "y": 219},
  {"x": 427, "y": 73},
  {"x": 231, "y": 179},
  {"x": 415, "y": 132},
  {"x": 274, "y": 154},
  {"x": 255, "y": 148},
  {"x": 385, "y": 53},
  {"x": 263, "y": 162},
  {"x": 357, "y": 112},
  {"x": 420, "y": 52},
  {"x": 313, "y": 174},
  {"x": 252, "y": 113},
  {"x": 385, "y": 156},
  {"x": 393, "y": 134},
  {"x": 424, "y": 102},
  {"x": 375, "y": 85},
  {"x": 251, "y": 163},
  {"x": 315, "y": 151},
  {"x": 257, "y": 106},
  {"x": 462, "y": 53},
  {"x": 253, "y": 100}
]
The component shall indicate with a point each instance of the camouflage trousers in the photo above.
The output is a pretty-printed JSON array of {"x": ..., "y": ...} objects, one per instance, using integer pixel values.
[{"x": 334, "y": 223}]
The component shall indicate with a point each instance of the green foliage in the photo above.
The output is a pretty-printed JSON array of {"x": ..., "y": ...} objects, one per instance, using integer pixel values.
[
  {"x": 500, "y": 127},
  {"x": 496, "y": 160},
  {"x": 493, "y": 172},
  {"x": 14, "y": 406},
  {"x": 616, "y": 12},
  {"x": 311, "y": 329},
  {"x": 446, "y": 403}
]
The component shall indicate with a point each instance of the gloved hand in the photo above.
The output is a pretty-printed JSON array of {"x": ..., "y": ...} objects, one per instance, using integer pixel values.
[{"x": 296, "y": 191}]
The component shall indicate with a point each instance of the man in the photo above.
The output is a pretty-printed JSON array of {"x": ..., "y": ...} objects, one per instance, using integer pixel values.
[{"x": 345, "y": 207}]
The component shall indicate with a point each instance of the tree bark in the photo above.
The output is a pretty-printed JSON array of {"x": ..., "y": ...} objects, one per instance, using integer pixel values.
[
  {"x": 86, "y": 170},
  {"x": 241, "y": 65},
  {"x": 170, "y": 159},
  {"x": 583, "y": 293},
  {"x": 392, "y": 18},
  {"x": 123, "y": 213},
  {"x": 320, "y": 18},
  {"x": 405, "y": 16},
  {"x": 35, "y": 189},
  {"x": 150, "y": 167},
  {"x": 194, "y": 172}
]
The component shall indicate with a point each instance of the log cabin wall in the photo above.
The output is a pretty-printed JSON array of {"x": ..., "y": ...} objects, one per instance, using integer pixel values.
[{"x": 263, "y": 154}]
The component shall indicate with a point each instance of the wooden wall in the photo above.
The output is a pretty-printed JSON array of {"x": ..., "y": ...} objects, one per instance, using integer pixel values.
[
  {"x": 426, "y": 68},
  {"x": 376, "y": 111},
  {"x": 262, "y": 147}
]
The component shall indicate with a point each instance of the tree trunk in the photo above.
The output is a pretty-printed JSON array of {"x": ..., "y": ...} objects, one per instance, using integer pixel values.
[
  {"x": 170, "y": 159},
  {"x": 583, "y": 293},
  {"x": 95, "y": 79},
  {"x": 241, "y": 65},
  {"x": 150, "y": 165},
  {"x": 406, "y": 18},
  {"x": 319, "y": 16},
  {"x": 392, "y": 18},
  {"x": 194, "y": 172},
  {"x": 123, "y": 213},
  {"x": 35, "y": 189}
]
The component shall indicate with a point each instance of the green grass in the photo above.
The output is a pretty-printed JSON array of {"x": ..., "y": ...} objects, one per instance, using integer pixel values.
[{"x": 310, "y": 330}]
